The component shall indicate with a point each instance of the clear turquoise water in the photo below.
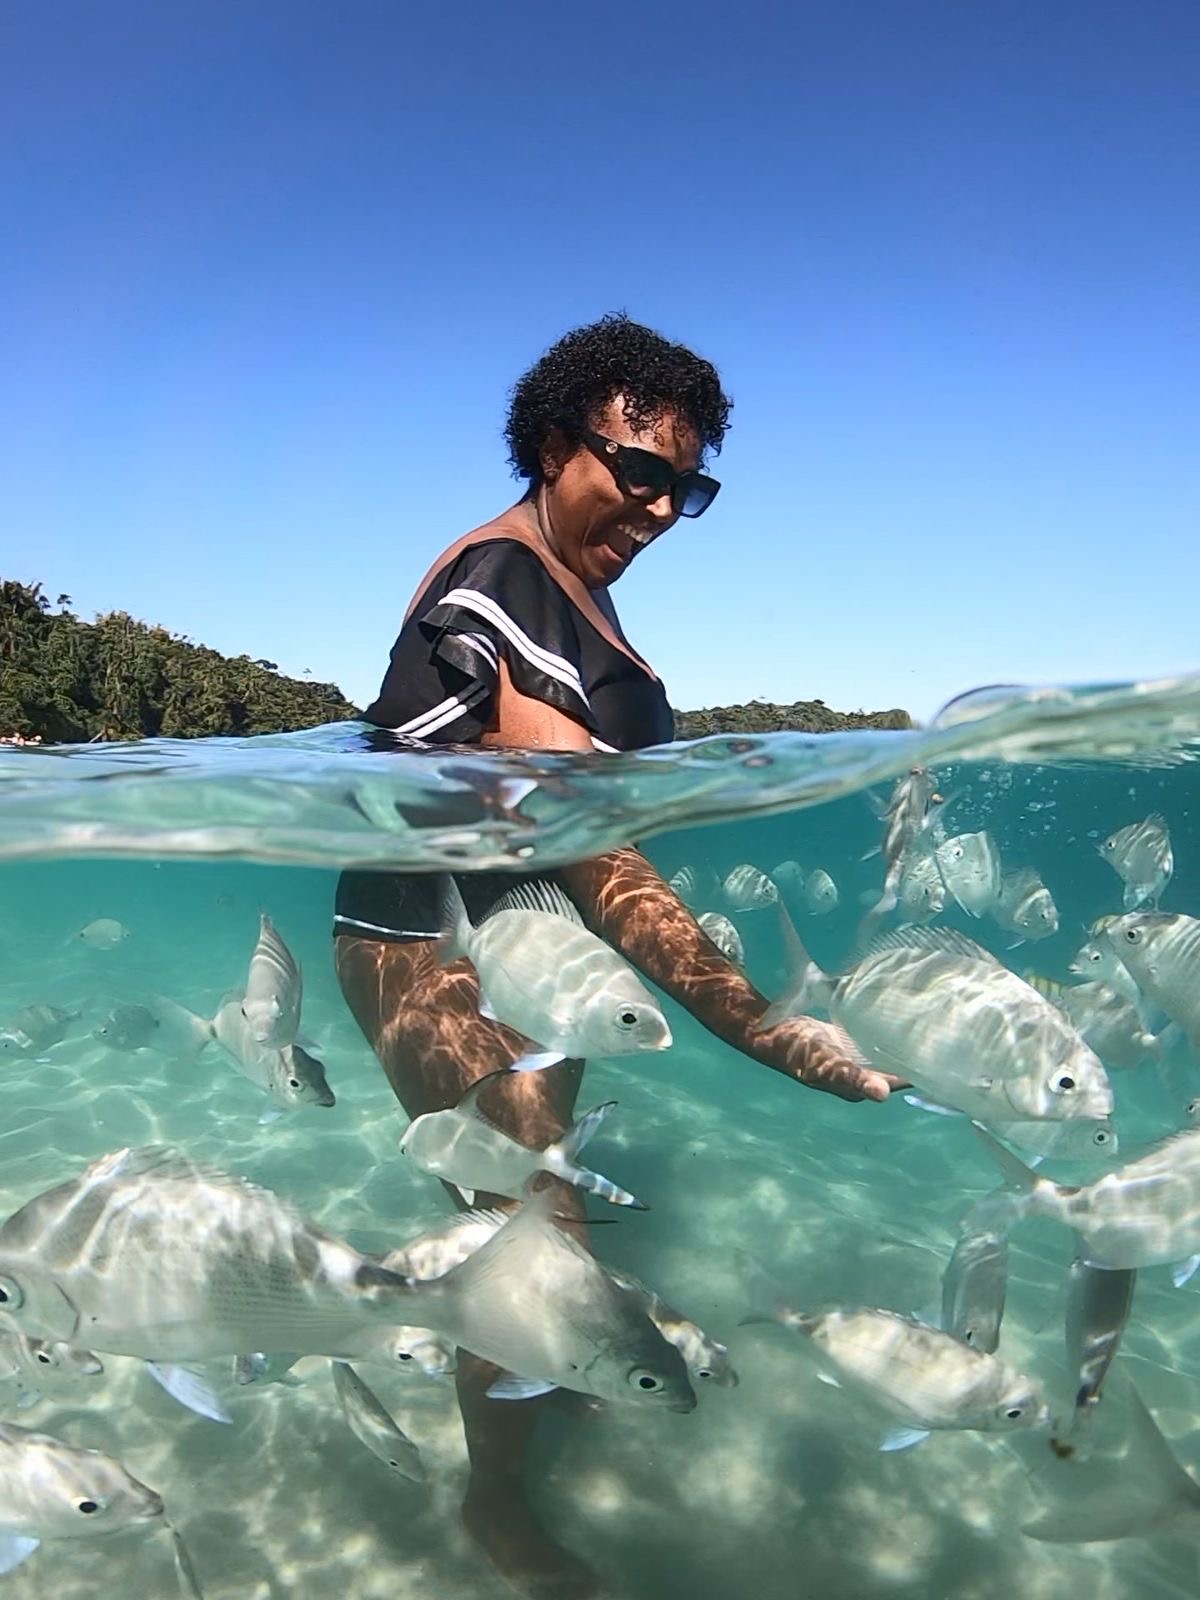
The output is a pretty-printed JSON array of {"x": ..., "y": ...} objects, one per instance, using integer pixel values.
[{"x": 775, "y": 1488}]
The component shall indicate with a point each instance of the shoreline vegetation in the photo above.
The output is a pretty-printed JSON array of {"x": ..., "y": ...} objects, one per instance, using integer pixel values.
[{"x": 67, "y": 681}]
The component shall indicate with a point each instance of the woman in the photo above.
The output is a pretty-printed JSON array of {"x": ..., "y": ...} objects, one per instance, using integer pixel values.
[{"x": 512, "y": 640}]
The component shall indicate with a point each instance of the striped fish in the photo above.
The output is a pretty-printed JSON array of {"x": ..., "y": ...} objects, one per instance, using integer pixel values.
[
  {"x": 274, "y": 989},
  {"x": 464, "y": 1147}
]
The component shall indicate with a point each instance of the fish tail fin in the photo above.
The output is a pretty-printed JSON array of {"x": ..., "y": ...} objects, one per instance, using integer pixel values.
[
  {"x": 453, "y": 920},
  {"x": 576, "y": 1136},
  {"x": 1165, "y": 1493},
  {"x": 595, "y": 1183},
  {"x": 997, "y": 1211},
  {"x": 807, "y": 985}
]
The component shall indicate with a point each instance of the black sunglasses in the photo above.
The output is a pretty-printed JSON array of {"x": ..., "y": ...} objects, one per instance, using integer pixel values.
[{"x": 644, "y": 476}]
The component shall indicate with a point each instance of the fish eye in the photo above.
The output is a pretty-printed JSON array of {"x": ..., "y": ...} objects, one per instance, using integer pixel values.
[
  {"x": 1101, "y": 1136},
  {"x": 44, "y": 1357},
  {"x": 1014, "y": 1413},
  {"x": 1192, "y": 1107},
  {"x": 395, "y": 1464},
  {"x": 957, "y": 852},
  {"x": 11, "y": 1295},
  {"x": 646, "y": 1381},
  {"x": 404, "y": 1355},
  {"x": 626, "y": 1018},
  {"x": 293, "y": 1083},
  {"x": 87, "y": 1506},
  {"x": 1065, "y": 1082},
  {"x": 1132, "y": 935},
  {"x": 704, "y": 1372},
  {"x": 1093, "y": 955}
]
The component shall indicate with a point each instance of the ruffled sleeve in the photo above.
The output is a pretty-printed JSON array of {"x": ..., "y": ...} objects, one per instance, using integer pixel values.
[{"x": 496, "y": 601}]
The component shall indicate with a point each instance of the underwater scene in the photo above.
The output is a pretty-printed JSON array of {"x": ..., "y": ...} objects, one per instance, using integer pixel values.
[{"x": 946, "y": 1345}]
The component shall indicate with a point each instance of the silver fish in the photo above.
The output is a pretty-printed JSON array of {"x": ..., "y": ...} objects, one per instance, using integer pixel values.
[
  {"x": 544, "y": 974},
  {"x": 1144, "y": 1214},
  {"x": 48, "y": 1366},
  {"x": 158, "y": 1256},
  {"x": 35, "y": 1029},
  {"x": 1024, "y": 905},
  {"x": 788, "y": 877},
  {"x": 1153, "y": 1493},
  {"x": 539, "y": 1306},
  {"x": 909, "y": 813},
  {"x": 1141, "y": 857},
  {"x": 50, "y": 1490},
  {"x": 936, "y": 1009},
  {"x": 707, "y": 1358},
  {"x": 1098, "y": 1306},
  {"x": 924, "y": 1376},
  {"x": 820, "y": 893},
  {"x": 974, "y": 1288},
  {"x": 1097, "y": 961},
  {"x": 746, "y": 888},
  {"x": 436, "y": 1252},
  {"x": 407, "y": 1348},
  {"x": 922, "y": 894},
  {"x": 464, "y": 1147},
  {"x": 179, "y": 1033},
  {"x": 127, "y": 1027},
  {"x": 274, "y": 989},
  {"x": 289, "y": 1075},
  {"x": 693, "y": 885},
  {"x": 970, "y": 868},
  {"x": 724, "y": 935},
  {"x": 375, "y": 1426},
  {"x": 1107, "y": 1020},
  {"x": 105, "y": 933},
  {"x": 1161, "y": 950}
]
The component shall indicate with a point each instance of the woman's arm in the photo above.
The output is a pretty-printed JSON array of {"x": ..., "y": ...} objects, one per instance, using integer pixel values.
[{"x": 628, "y": 903}]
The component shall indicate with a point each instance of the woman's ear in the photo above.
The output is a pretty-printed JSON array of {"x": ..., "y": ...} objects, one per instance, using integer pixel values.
[{"x": 554, "y": 455}]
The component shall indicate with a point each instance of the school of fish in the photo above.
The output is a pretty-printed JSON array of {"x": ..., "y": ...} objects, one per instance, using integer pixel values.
[{"x": 207, "y": 1280}]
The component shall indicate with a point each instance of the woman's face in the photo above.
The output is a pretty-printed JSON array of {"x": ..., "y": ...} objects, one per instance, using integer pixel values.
[{"x": 594, "y": 528}]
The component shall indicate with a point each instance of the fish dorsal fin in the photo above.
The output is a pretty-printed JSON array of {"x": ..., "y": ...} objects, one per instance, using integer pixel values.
[
  {"x": 468, "y": 1103},
  {"x": 537, "y": 895},
  {"x": 535, "y": 1215},
  {"x": 168, "y": 1162},
  {"x": 948, "y": 940},
  {"x": 1159, "y": 821}
]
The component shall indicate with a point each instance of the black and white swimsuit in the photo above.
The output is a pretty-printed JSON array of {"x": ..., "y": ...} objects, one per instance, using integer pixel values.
[{"x": 494, "y": 599}]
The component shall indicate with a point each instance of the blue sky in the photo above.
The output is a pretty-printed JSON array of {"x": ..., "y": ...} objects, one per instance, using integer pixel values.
[{"x": 268, "y": 270}]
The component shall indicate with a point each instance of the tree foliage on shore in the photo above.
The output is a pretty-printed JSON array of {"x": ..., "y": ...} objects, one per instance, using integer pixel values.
[
  {"x": 765, "y": 716},
  {"x": 65, "y": 680}
]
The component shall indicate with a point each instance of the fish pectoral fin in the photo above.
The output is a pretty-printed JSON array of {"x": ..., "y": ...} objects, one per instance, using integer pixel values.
[
  {"x": 269, "y": 1114},
  {"x": 15, "y": 1548},
  {"x": 190, "y": 1388},
  {"x": 514, "y": 1388},
  {"x": 467, "y": 1194},
  {"x": 938, "y": 1110},
  {"x": 1185, "y": 1271},
  {"x": 903, "y": 1438},
  {"x": 537, "y": 1061},
  {"x": 486, "y": 1010},
  {"x": 828, "y": 1377}
]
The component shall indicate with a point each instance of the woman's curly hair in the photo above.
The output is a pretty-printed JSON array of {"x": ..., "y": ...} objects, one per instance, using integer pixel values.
[{"x": 577, "y": 377}]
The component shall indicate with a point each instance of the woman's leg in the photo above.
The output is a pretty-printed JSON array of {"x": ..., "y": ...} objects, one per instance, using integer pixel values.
[{"x": 422, "y": 1020}]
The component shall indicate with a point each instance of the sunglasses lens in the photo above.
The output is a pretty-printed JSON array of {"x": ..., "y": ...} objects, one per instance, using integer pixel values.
[
  {"x": 693, "y": 494},
  {"x": 647, "y": 475}
]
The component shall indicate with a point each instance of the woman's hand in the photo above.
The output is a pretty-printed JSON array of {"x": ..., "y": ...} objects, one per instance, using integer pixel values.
[{"x": 823, "y": 1056}]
